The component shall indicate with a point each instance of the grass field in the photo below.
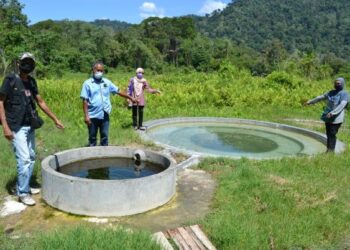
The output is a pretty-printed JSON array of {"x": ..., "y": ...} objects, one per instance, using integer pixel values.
[{"x": 290, "y": 203}]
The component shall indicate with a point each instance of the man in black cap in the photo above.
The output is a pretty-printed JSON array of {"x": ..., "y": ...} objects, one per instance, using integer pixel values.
[{"x": 18, "y": 96}]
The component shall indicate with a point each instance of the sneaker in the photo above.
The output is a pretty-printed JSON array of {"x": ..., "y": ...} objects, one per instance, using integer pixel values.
[
  {"x": 142, "y": 128},
  {"x": 136, "y": 128},
  {"x": 27, "y": 200},
  {"x": 34, "y": 190}
]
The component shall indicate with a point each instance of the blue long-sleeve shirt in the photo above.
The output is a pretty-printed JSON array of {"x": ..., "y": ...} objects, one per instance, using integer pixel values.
[{"x": 336, "y": 103}]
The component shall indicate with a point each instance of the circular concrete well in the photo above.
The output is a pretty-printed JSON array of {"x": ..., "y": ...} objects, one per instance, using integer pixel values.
[{"x": 95, "y": 197}]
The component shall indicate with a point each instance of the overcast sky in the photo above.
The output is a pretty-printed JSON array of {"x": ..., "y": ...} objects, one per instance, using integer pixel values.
[{"x": 132, "y": 11}]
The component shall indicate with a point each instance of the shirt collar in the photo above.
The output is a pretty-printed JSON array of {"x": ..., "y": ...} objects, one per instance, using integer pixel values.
[{"x": 93, "y": 80}]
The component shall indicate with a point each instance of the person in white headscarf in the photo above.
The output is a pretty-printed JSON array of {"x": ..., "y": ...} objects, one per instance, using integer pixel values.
[{"x": 136, "y": 88}]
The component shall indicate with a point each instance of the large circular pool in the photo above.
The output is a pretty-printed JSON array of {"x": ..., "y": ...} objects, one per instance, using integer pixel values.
[{"x": 234, "y": 137}]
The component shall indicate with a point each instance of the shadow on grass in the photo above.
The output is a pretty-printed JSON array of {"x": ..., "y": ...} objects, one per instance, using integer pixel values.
[{"x": 11, "y": 184}]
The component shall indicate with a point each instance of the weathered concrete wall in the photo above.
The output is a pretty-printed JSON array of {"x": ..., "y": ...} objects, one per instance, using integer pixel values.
[
  {"x": 106, "y": 197},
  {"x": 340, "y": 146}
]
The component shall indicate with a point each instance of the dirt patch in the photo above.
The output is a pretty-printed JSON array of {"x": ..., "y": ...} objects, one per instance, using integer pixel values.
[
  {"x": 179, "y": 157},
  {"x": 195, "y": 190},
  {"x": 312, "y": 201},
  {"x": 278, "y": 180}
]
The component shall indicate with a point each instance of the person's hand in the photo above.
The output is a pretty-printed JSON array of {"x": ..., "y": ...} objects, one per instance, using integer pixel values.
[
  {"x": 8, "y": 134},
  {"x": 329, "y": 115},
  {"x": 87, "y": 120},
  {"x": 59, "y": 124},
  {"x": 306, "y": 103},
  {"x": 134, "y": 100}
]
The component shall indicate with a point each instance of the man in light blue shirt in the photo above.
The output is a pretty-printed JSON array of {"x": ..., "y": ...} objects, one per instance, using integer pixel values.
[{"x": 97, "y": 106}]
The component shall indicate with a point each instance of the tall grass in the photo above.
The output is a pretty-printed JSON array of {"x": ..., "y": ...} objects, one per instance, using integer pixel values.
[
  {"x": 280, "y": 204},
  {"x": 298, "y": 203},
  {"x": 85, "y": 237}
]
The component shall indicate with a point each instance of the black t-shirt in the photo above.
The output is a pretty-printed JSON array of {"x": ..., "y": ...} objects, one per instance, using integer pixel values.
[
  {"x": 30, "y": 88},
  {"x": 7, "y": 87}
]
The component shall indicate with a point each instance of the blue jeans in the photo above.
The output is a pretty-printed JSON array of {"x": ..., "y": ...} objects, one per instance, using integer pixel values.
[
  {"x": 101, "y": 125},
  {"x": 24, "y": 149}
]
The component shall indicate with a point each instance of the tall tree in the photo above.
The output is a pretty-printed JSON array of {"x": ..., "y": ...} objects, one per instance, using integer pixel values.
[{"x": 15, "y": 35}]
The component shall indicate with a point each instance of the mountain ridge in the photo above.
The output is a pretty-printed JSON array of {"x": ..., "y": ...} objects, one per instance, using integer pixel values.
[{"x": 306, "y": 25}]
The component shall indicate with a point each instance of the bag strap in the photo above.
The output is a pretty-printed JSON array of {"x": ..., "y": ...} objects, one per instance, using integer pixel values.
[
  {"x": 13, "y": 82},
  {"x": 29, "y": 101},
  {"x": 12, "y": 85}
]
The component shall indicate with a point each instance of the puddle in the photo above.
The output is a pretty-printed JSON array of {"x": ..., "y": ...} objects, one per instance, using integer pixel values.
[{"x": 195, "y": 190}]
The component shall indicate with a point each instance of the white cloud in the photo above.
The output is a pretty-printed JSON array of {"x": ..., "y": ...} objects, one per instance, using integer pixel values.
[
  {"x": 211, "y": 5},
  {"x": 149, "y": 9}
]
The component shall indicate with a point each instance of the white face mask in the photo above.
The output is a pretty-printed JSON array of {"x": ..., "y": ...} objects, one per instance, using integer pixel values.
[{"x": 98, "y": 75}]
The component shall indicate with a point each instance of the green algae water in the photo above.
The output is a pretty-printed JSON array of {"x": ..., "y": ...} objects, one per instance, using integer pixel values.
[{"x": 234, "y": 140}]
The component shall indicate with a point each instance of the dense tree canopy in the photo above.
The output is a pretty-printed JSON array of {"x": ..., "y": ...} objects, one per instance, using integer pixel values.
[
  {"x": 304, "y": 37},
  {"x": 307, "y": 25},
  {"x": 14, "y": 32}
]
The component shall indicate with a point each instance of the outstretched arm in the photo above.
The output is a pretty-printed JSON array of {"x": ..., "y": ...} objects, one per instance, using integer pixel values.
[
  {"x": 48, "y": 112},
  {"x": 127, "y": 96},
  {"x": 151, "y": 90},
  {"x": 316, "y": 99}
]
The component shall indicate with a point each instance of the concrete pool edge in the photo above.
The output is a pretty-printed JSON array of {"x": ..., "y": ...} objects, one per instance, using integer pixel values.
[
  {"x": 340, "y": 146},
  {"x": 106, "y": 197}
]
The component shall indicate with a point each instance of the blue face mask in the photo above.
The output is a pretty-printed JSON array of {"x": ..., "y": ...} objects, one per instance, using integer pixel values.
[
  {"x": 139, "y": 75},
  {"x": 98, "y": 75}
]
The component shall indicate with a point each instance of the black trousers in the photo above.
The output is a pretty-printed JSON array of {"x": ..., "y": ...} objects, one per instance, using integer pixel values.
[
  {"x": 137, "y": 110},
  {"x": 101, "y": 125},
  {"x": 331, "y": 131}
]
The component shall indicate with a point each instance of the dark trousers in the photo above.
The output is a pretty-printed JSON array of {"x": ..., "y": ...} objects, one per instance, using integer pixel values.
[
  {"x": 101, "y": 125},
  {"x": 331, "y": 131},
  {"x": 137, "y": 110}
]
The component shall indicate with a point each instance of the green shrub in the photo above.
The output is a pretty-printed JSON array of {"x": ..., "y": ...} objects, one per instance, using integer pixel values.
[{"x": 280, "y": 79}]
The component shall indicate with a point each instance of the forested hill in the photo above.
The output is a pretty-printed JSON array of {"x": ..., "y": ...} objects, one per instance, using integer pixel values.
[
  {"x": 307, "y": 25},
  {"x": 115, "y": 25},
  {"x": 104, "y": 23},
  {"x": 303, "y": 37}
]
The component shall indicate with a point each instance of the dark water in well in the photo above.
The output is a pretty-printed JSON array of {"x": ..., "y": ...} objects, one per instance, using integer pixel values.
[{"x": 111, "y": 169}]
